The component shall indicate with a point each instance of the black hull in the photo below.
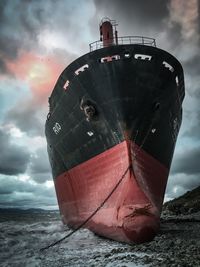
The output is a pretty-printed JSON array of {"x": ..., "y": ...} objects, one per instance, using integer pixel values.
[{"x": 133, "y": 98}]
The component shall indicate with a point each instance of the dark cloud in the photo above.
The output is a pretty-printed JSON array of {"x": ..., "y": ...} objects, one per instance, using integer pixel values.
[
  {"x": 193, "y": 132},
  {"x": 3, "y": 67},
  {"x": 41, "y": 178},
  {"x": 173, "y": 37},
  {"x": 13, "y": 158},
  {"x": 167, "y": 21},
  {"x": 20, "y": 26},
  {"x": 143, "y": 18},
  {"x": 192, "y": 65},
  {"x": 23, "y": 22},
  {"x": 24, "y": 115},
  {"x": 187, "y": 162},
  {"x": 25, "y": 194},
  {"x": 135, "y": 14},
  {"x": 40, "y": 161},
  {"x": 192, "y": 69},
  {"x": 39, "y": 167},
  {"x": 10, "y": 184},
  {"x": 178, "y": 184}
]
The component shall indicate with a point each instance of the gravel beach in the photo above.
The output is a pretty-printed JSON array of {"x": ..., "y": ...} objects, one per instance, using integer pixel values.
[{"x": 22, "y": 236}]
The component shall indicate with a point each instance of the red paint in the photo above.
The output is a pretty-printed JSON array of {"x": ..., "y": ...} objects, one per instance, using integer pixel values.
[
  {"x": 106, "y": 33},
  {"x": 132, "y": 212}
]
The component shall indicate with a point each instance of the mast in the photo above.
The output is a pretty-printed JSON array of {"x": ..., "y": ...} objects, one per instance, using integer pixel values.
[{"x": 108, "y": 32}]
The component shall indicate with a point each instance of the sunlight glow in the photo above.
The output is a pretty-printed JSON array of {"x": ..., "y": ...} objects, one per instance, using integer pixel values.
[{"x": 38, "y": 71}]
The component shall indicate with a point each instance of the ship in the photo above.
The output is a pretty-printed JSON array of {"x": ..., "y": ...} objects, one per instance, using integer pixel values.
[{"x": 113, "y": 121}]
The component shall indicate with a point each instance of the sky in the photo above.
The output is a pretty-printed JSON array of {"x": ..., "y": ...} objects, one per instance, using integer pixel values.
[{"x": 38, "y": 39}]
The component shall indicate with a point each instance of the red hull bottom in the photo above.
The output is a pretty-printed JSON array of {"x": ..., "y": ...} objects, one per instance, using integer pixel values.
[{"x": 132, "y": 212}]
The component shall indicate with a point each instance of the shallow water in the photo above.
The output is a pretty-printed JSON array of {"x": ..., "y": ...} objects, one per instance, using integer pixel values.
[{"x": 23, "y": 235}]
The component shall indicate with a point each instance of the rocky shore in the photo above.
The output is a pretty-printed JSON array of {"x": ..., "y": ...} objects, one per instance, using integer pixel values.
[
  {"x": 178, "y": 241},
  {"x": 177, "y": 244}
]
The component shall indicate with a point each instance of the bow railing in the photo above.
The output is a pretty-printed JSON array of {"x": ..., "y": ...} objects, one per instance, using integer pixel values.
[{"x": 124, "y": 40}]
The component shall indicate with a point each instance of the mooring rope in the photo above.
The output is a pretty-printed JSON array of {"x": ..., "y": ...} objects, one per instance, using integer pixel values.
[
  {"x": 109, "y": 195},
  {"x": 92, "y": 215}
]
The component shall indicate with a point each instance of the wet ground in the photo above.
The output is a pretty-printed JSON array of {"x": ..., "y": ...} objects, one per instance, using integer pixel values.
[{"x": 22, "y": 236}]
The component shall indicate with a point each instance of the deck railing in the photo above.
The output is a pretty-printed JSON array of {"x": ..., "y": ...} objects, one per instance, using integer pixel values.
[{"x": 124, "y": 40}]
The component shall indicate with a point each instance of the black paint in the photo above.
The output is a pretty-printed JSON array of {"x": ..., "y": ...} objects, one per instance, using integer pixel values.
[{"x": 129, "y": 95}]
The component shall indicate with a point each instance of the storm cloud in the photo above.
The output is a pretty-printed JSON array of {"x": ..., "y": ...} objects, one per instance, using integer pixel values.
[
  {"x": 179, "y": 184},
  {"x": 193, "y": 132},
  {"x": 187, "y": 162},
  {"x": 135, "y": 13},
  {"x": 15, "y": 34},
  {"x": 14, "y": 159},
  {"x": 25, "y": 116},
  {"x": 29, "y": 25},
  {"x": 25, "y": 194},
  {"x": 39, "y": 168},
  {"x": 40, "y": 161}
]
